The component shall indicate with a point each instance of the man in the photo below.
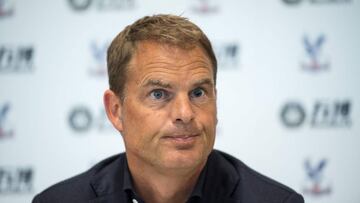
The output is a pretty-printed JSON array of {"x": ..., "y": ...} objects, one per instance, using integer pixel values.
[{"x": 162, "y": 99}]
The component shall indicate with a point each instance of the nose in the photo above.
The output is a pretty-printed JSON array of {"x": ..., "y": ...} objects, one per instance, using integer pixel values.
[{"x": 182, "y": 110}]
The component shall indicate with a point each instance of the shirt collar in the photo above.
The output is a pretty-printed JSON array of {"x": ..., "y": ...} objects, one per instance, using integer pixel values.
[{"x": 127, "y": 185}]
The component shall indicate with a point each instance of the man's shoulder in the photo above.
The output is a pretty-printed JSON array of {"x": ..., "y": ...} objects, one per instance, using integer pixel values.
[
  {"x": 251, "y": 186},
  {"x": 79, "y": 187}
]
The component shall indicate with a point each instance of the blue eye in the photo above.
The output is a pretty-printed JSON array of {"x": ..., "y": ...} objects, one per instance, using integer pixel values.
[
  {"x": 157, "y": 94},
  {"x": 198, "y": 92}
]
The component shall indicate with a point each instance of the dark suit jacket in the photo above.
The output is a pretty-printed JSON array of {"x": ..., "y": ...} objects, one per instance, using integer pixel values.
[{"x": 235, "y": 182}]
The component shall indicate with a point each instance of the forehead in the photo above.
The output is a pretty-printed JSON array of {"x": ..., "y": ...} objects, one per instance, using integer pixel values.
[
  {"x": 160, "y": 51},
  {"x": 151, "y": 56}
]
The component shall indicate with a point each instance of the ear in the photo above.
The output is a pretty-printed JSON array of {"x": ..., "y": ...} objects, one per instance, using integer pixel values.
[{"x": 113, "y": 108}]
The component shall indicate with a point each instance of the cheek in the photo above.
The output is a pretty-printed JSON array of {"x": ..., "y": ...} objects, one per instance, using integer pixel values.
[
  {"x": 142, "y": 124},
  {"x": 208, "y": 119},
  {"x": 209, "y": 114}
]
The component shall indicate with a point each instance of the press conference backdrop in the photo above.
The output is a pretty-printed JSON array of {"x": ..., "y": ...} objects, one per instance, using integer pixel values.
[{"x": 288, "y": 89}]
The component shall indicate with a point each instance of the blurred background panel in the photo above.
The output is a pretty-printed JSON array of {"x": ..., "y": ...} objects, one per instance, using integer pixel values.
[{"x": 288, "y": 88}]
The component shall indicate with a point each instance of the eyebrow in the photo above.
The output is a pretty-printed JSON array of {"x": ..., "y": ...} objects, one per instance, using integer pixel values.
[
  {"x": 205, "y": 81},
  {"x": 157, "y": 83},
  {"x": 160, "y": 83}
]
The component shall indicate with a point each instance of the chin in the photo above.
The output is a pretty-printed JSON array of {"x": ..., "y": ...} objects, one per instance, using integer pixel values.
[{"x": 184, "y": 159}]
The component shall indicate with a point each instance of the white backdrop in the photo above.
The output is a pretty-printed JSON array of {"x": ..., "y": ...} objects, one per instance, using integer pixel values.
[{"x": 288, "y": 88}]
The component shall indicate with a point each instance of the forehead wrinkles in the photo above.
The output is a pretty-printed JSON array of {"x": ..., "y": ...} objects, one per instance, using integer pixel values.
[
  {"x": 159, "y": 70},
  {"x": 156, "y": 61}
]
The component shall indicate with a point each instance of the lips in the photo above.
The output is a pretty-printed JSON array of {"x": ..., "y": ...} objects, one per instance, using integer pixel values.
[
  {"x": 181, "y": 141},
  {"x": 180, "y": 137}
]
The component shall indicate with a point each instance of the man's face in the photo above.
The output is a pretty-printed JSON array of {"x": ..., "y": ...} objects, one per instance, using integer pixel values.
[{"x": 168, "y": 114}]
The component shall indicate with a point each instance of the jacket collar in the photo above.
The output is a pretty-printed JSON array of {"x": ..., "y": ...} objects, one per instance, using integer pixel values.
[
  {"x": 216, "y": 183},
  {"x": 107, "y": 182},
  {"x": 222, "y": 179}
]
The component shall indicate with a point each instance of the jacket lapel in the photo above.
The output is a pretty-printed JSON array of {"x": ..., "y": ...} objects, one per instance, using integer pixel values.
[
  {"x": 222, "y": 180},
  {"x": 108, "y": 182}
]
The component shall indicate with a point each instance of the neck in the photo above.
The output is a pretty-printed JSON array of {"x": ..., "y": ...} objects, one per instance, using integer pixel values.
[{"x": 161, "y": 186}]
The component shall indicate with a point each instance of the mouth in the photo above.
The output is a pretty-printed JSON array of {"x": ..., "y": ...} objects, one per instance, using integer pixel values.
[
  {"x": 180, "y": 137},
  {"x": 182, "y": 141}
]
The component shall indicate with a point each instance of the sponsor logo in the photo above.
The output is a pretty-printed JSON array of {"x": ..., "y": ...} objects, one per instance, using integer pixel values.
[
  {"x": 83, "y": 5},
  {"x": 98, "y": 52},
  {"x": 16, "y": 180},
  {"x": 316, "y": 183},
  {"x": 6, "y": 8},
  {"x": 322, "y": 114},
  {"x": 82, "y": 119},
  {"x": 5, "y": 130},
  {"x": 315, "y": 60},
  {"x": 15, "y": 60},
  {"x": 227, "y": 55},
  {"x": 204, "y": 7}
]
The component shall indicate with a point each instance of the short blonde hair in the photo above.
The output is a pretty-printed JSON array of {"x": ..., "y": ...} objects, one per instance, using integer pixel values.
[{"x": 164, "y": 29}]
